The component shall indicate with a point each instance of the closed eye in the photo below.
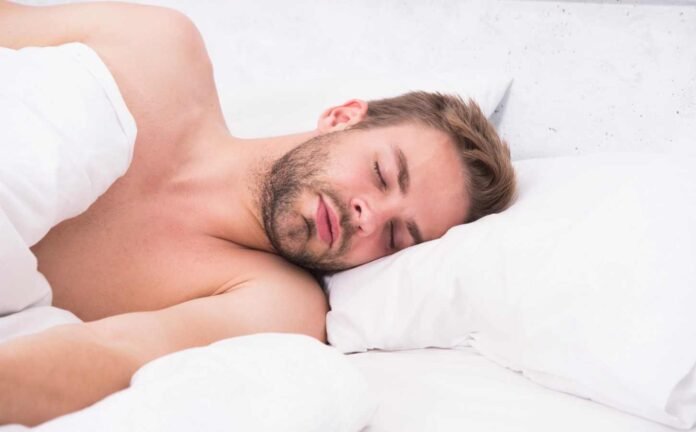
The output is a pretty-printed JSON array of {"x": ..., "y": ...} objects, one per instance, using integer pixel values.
[
  {"x": 392, "y": 245},
  {"x": 380, "y": 177}
]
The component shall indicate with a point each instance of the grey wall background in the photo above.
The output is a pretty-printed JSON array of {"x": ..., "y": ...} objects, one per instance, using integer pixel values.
[{"x": 589, "y": 76}]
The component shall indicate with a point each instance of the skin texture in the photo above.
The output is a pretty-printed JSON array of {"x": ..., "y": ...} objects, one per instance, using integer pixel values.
[
  {"x": 359, "y": 182},
  {"x": 176, "y": 253}
]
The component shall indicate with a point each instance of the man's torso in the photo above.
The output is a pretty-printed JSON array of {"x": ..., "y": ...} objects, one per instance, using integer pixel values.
[{"x": 141, "y": 245}]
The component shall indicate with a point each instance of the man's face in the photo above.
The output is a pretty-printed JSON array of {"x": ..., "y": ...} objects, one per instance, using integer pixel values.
[{"x": 349, "y": 197}]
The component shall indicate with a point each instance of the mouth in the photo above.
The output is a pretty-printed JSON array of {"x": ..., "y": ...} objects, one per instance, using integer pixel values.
[{"x": 328, "y": 229}]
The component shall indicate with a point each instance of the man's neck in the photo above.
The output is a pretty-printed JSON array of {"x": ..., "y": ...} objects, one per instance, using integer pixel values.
[{"x": 225, "y": 177}]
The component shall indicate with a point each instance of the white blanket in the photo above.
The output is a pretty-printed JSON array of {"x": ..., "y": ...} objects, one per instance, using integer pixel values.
[
  {"x": 66, "y": 136},
  {"x": 267, "y": 382}
]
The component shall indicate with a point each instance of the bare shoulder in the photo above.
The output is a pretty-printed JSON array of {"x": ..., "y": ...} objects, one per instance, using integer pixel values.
[
  {"x": 271, "y": 267},
  {"x": 278, "y": 275},
  {"x": 286, "y": 288},
  {"x": 161, "y": 58},
  {"x": 163, "y": 33},
  {"x": 98, "y": 23}
]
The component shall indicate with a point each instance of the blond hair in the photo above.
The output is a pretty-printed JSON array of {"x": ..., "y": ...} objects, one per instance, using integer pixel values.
[{"x": 486, "y": 158}]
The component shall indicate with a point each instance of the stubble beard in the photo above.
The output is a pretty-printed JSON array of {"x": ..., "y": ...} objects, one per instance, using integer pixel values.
[{"x": 302, "y": 169}]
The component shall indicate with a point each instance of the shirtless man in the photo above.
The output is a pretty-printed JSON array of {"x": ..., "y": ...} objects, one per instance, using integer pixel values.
[{"x": 203, "y": 237}]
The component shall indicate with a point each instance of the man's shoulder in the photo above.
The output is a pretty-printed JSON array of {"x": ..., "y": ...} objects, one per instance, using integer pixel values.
[
  {"x": 264, "y": 268},
  {"x": 274, "y": 274},
  {"x": 148, "y": 26},
  {"x": 160, "y": 61},
  {"x": 283, "y": 295}
]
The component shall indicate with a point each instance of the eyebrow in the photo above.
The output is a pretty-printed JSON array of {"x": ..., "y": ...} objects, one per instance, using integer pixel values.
[
  {"x": 403, "y": 176},
  {"x": 404, "y": 180}
]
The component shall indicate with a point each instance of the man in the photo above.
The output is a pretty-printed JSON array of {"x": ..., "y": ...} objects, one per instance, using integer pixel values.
[{"x": 203, "y": 237}]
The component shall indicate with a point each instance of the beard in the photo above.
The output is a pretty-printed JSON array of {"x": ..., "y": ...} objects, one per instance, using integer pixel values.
[{"x": 302, "y": 170}]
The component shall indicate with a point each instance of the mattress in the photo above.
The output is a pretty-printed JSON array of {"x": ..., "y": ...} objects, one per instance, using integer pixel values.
[{"x": 458, "y": 390}]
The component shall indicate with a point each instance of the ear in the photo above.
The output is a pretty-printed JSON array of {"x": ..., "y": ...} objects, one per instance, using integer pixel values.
[{"x": 342, "y": 116}]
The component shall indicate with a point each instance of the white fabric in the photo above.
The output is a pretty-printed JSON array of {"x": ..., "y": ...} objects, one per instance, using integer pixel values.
[
  {"x": 586, "y": 285},
  {"x": 459, "y": 390},
  {"x": 66, "y": 135},
  {"x": 265, "y": 382}
]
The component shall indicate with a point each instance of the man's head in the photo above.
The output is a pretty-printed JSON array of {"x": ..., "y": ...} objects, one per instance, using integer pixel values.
[{"x": 382, "y": 176}]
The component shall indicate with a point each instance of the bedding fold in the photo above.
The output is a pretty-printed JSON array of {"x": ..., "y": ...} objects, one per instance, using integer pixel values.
[
  {"x": 263, "y": 382},
  {"x": 67, "y": 135}
]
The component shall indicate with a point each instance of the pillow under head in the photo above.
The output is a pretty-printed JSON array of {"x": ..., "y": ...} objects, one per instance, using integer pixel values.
[{"x": 587, "y": 284}]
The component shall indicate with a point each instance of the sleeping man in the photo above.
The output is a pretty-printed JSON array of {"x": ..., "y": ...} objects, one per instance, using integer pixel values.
[{"x": 207, "y": 236}]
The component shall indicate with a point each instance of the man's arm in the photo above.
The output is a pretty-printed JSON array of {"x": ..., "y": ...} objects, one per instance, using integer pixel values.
[{"x": 69, "y": 367}]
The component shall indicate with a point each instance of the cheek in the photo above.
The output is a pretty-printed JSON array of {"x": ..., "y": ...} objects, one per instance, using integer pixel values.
[
  {"x": 344, "y": 174},
  {"x": 364, "y": 250},
  {"x": 351, "y": 181},
  {"x": 348, "y": 167},
  {"x": 307, "y": 203}
]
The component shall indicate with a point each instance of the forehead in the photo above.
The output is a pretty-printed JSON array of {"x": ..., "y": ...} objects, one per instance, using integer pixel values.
[
  {"x": 417, "y": 141},
  {"x": 437, "y": 197}
]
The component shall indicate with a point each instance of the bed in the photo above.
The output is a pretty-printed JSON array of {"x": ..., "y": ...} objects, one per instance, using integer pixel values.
[
  {"x": 454, "y": 390},
  {"x": 587, "y": 77}
]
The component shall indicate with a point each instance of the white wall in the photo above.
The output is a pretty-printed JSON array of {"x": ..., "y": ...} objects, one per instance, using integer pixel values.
[
  {"x": 595, "y": 77},
  {"x": 589, "y": 76}
]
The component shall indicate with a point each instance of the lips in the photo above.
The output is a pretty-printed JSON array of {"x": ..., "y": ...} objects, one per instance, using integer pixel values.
[
  {"x": 334, "y": 225},
  {"x": 327, "y": 223}
]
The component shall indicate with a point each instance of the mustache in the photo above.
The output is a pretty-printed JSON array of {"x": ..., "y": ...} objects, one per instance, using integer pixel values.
[
  {"x": 348, "y": 228},
  {"x": 301, "y": 173}
]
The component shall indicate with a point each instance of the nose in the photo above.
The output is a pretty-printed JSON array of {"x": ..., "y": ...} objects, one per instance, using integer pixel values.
[{"x": 368, "y": 219}]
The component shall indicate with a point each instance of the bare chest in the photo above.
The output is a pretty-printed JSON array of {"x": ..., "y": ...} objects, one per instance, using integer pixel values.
[
  {"x": 136, "y": 248},
  {"x": 132, "y": 249},
  {"x": 126, "y": 255}
]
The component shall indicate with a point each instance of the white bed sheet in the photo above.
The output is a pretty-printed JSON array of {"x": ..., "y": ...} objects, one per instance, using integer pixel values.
[{"x": 438, "y": 390}]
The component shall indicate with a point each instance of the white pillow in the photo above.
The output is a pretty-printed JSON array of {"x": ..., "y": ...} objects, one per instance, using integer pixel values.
[
  {"x": 264, "y": 382},
  {"x": 587, "y": 284},
  {"x": 297, "y": 108}
]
